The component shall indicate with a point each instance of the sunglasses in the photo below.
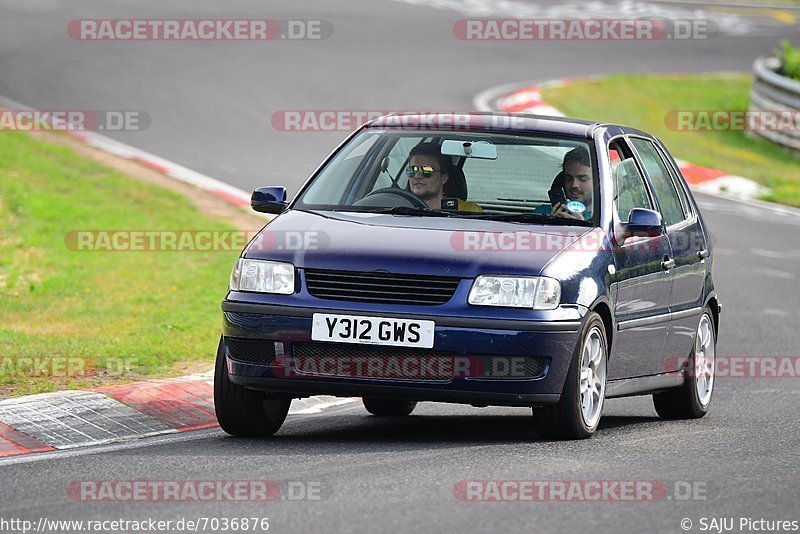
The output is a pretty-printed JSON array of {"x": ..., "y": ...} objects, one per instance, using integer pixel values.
[{"x": 426, "y": 170}]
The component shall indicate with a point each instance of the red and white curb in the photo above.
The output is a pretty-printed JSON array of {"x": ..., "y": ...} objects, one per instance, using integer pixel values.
[
  {"x": 109, "y": 414},
  {"x": 71, "y": 419},
  {"x": 527, "y": 98}
]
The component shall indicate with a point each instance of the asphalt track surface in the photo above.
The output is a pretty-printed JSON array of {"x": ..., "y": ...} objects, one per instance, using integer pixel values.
[{"x": 211, "y": 105}]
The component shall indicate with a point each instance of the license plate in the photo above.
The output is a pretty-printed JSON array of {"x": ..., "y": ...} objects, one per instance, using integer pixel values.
[{"x": 372, "y": 330}]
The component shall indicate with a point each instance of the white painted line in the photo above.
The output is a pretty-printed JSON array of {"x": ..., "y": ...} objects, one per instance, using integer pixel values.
[
  {"x": 775, "y": 255},
  {"x": 136, "y": 443},
  {"x": 777, "y": 209},
  {"x": 484, "y": 101},
  {"x": 777, "y": 273},
  {"x": 714, "y": 3},
  {"x": 544, "y": 109},
  {"x": 113, "y": 447},
  {"x": 732, "y": 186},
  {"x": 174, "y": 170},
  {"x": 775, "y": 312},
  {"x": 317, "y": 404},
  {"x": 726, "y": 23}
]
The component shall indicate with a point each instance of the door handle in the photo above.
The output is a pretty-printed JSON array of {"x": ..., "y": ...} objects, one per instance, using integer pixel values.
[
  {"x": 703, "y": 254},
  {"x": 667, "y": 264}
]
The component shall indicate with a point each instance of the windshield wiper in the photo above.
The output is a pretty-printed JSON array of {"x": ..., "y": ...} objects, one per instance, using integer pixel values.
[
  {"x": 529, "y": 218},
  {"x": 398, "y": 210},
  {"x": 402, "y": 210}
]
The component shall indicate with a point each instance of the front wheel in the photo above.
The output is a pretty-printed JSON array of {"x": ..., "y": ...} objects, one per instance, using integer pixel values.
[
  {"x": 692, "y": 399},
  {"x": 389, "y": 407},
  {"x": 577, "y": 413},
  {"x": 245, "y": 412}
]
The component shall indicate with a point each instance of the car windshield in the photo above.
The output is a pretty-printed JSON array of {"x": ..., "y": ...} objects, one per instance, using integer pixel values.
[{"x": 459, "y": 174}]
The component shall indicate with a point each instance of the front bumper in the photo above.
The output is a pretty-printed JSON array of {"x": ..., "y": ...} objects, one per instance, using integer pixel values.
[{"x": 283, "y": 330}]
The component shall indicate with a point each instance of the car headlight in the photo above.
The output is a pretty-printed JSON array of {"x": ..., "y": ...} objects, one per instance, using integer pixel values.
[
  {"x": 262, "y": 276},
  {"x": 538, "y": 293}
]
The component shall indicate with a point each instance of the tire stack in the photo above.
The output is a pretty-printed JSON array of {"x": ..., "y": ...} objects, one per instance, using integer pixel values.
[{"x": 775, "y": 93}]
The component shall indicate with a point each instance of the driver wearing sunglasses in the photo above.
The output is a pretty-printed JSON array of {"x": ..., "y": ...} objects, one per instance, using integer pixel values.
[{"x": 427, "y": 174}]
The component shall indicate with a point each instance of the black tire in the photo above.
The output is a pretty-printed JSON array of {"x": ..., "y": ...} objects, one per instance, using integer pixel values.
[
  {"x": 245, "y": 412},
  {"x": 389, "y": 407},
  {"x": 684, "y": 402},
  {"x": 565, "y": 420}
]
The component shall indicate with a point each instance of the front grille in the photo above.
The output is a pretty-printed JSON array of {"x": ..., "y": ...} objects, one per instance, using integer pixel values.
[
  {"x": 401, "y": 363},
  {"x": 251, "y": 350},
  {"x": 380, "y": 287}
]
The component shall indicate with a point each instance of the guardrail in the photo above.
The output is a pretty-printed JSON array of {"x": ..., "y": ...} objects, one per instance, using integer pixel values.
[{"x": 772, "y": 92}]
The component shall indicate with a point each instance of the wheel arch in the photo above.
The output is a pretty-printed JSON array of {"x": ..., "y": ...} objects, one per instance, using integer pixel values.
[
  {"x": 712, "y": 302},
  {"x": 603, "y": 309}
]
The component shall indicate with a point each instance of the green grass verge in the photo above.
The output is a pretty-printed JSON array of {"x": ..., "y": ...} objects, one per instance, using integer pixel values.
[
  {"x": 643, "y": 101},
  {"x": 126, "y": 315}
]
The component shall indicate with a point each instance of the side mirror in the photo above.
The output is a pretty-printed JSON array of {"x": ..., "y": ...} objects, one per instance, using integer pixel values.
[
  {"x": 644, "y": 223},
  {"x": 269, "y": 199},
  {"x": 641, "y": 223}
]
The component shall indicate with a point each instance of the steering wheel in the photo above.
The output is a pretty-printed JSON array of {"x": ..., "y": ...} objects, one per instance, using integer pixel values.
[{"x": 413, "y": 199}]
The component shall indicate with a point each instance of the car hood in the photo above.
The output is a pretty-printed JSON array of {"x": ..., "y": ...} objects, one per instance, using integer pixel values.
[{"x": 410, "y": 244}]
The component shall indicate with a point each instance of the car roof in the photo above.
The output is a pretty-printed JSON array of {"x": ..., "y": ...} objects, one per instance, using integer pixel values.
[{"x": 494, "y": 121}]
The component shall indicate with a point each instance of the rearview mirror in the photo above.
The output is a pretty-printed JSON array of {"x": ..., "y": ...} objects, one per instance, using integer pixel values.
[
  {"x": 269, "y": 199},
  {"x": 469, "y": 149}
]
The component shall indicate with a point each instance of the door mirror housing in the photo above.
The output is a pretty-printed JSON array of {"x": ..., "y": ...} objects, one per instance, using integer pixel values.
[
  {"x": 270, "y": 199},
  {"x": 641, "y": 223},
  {"x": 644, "y": 222}
]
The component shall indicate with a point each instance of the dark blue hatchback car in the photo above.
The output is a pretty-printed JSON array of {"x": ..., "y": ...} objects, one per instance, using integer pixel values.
[{"x": 484, "y": 259}]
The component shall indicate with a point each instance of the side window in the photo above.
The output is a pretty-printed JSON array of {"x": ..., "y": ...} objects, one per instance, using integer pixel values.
[
  {"x": 671, "y": 208},
  {"x": 629, "y": 188},
  {"x": 677, "y": 179}
]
